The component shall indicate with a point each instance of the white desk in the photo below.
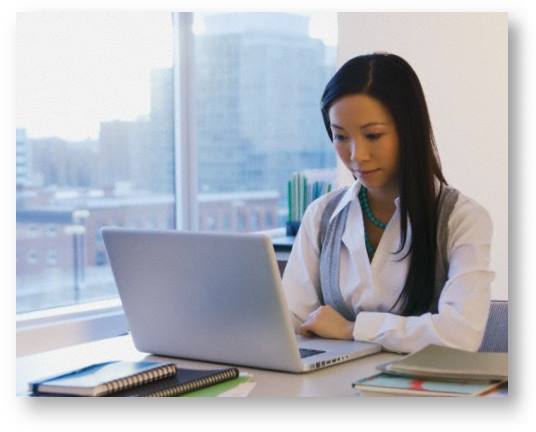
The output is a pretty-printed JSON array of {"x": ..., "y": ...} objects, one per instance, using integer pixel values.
[{"x": 332, "y": 381}]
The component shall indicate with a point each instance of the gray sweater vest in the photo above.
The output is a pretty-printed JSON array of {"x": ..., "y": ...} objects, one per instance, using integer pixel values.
[{"x": 329, "y": 241}]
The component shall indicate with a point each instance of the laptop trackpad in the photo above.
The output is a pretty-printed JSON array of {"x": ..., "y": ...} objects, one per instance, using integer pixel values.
[{"x": 304, "y": 352}]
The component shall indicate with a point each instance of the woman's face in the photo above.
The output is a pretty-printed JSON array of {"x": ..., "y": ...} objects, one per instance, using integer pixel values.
[{"x": 366, "y": 140}]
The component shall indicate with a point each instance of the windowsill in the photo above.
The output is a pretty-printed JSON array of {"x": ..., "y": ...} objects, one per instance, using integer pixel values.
[
  {"x": 45, "y": 316},
  {"x": 273, "y": 233},
  {"x": 70, "y": 325}
]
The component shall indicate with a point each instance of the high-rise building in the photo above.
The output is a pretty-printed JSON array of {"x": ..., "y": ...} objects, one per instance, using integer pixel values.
[
  {"x": 124, "y": 147},
  {"x": 160, "y": 157},
  {"x": 259, "y": 79},
  {"x": 144, "y": 146},
  {"x": 23, "y": 170}
]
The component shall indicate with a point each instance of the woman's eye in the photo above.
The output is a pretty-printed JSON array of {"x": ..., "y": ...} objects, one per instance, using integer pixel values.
[
  {"x": 339, "y": 137},
  {"x": 373, "y": 136}
]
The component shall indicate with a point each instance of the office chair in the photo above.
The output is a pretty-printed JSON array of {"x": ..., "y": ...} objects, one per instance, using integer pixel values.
[{"x": 496, "y": 334}]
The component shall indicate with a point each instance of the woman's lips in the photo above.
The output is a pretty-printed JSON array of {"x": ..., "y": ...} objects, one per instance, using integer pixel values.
[{"x": 368, "y": 173}]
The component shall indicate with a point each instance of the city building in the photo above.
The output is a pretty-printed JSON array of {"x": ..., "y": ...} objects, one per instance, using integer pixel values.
[
  {"x": 161, "y": 177},
  {"x": 125, "y": 149},
  {"x": 258, "y": 82},
  {"x": 23, "y": 160}
]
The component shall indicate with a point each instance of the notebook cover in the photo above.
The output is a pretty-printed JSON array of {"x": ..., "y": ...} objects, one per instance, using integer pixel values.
[
  {"x": 89, "y": 381},
  {"x": 385, "y": 383},
  {"x": 184, "y": 381},
  {"x": 445, "y": 362},
  {"x": 231, "y": 387}
]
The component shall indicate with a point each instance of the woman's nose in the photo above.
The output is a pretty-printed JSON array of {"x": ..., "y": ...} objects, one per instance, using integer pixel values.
[{"x": 360, "y": 151}]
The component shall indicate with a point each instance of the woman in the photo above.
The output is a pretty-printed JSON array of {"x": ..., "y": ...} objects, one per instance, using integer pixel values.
[{"x": 399, "y": 258}]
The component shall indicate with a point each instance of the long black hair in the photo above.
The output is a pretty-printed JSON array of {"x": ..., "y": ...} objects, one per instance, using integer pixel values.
[{"x": 391, "y": 80}]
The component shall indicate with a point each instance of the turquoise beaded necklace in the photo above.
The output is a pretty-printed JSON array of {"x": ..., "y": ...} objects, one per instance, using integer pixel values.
[{"x": 365, "y": 206}]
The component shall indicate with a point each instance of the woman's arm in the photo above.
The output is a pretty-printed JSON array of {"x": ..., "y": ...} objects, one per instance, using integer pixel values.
[
  {"x": 465, "y": 299},
  {"x": 301, "y": 280}
]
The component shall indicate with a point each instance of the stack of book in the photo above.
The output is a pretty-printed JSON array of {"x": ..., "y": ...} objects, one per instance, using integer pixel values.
[
  {"x": 439, "y": 371},
  {"x": 301, "y": 192},
  {"x": 139, "y": 379}
]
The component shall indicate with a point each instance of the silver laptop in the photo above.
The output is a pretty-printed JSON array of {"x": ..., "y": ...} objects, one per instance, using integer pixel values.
[{"x": 213, "y": 297}]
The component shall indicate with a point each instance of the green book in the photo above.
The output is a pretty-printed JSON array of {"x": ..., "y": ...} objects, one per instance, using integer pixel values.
[{"x": 218, "y": 389}]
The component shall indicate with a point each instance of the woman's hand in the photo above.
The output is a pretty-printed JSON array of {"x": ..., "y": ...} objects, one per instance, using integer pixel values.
[{"x": 326, "y": 322}]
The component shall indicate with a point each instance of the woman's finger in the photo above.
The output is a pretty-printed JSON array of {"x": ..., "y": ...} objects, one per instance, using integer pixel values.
[{"x": 306, "y": 327}]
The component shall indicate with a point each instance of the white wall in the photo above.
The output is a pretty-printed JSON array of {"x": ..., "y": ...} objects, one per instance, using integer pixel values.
[{"x": 462, "y": 62}]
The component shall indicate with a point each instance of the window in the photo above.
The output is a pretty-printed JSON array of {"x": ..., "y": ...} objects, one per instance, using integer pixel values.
[
  {"x": 254, "y": 215},
  {"x": 33, "y": 231},
  {"x": 95, "y": 132},
  {"x": 32, "y": 257},
  {"x": 241, "y": 224},
  {"x": 211, "y": 223},
  {"x": 268, "y": 218},
  {"x": 52, "y": 257},
  {"x": 94, "y": 144},
  {"x": 226, "y": 221},
  {"x": 258, "y": 79}
]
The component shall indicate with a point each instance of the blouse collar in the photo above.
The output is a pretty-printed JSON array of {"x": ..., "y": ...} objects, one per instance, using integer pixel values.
[{"x": 352, "y": 195}]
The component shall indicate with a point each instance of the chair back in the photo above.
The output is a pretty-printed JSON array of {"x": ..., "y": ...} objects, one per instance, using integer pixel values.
[{"x": 496, "y": 334}]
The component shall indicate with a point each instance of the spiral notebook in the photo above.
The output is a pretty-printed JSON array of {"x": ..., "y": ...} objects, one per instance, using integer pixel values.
[
  {"x": 104, "y": 379},
  {"x": 184, "y": 381}
]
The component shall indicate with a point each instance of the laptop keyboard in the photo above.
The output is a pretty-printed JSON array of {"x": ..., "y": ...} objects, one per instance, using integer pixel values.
[{"x": 304, "y": 352}]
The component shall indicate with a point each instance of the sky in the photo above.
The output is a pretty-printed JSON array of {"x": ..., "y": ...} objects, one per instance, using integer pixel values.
[{"x": 76, "y": 69}]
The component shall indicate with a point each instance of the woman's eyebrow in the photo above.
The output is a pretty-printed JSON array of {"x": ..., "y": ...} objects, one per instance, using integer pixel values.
[
  {"x": 372, "y": 124},
  {"x": 333, "y": 125},
  {"x": 366, "y": 125}
]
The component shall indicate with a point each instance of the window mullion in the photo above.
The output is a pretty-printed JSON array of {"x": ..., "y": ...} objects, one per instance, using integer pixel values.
[{"x": 184, "y": 146}]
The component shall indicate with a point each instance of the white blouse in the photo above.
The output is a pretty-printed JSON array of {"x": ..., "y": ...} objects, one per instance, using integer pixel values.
[{"x": 373, "y": 287}]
